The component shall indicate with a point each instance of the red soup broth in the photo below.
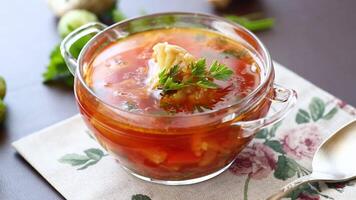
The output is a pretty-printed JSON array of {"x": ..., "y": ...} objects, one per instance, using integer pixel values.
[{"x": 147, "y": 139}]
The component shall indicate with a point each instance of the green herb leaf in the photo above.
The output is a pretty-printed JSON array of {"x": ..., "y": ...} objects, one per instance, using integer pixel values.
[
  {"x": 163, "y": 76},
  {"x": 170, "y": 84},
  {"x": 170, "y": 80},
  {"x": 207, "y": 84},
  {"x": 198, "y": 68},
  {"x": 174, "y": 71},
  {"x": 220, "y": 71}
]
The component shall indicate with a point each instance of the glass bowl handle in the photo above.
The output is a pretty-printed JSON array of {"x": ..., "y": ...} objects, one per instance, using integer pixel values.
[
  {"x": 284, "y": 96},
  {"x": 73, "y": 37}
]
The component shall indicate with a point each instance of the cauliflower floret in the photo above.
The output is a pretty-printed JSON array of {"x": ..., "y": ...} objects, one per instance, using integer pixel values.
[{"x": 165, "y": 56}]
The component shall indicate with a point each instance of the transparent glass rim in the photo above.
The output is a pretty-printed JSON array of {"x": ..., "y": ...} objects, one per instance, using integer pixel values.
[{"x": 267, "y": 59}]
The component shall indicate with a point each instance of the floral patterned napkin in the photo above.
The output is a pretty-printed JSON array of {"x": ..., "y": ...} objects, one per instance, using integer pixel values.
[{"x": 79, "y": 168}]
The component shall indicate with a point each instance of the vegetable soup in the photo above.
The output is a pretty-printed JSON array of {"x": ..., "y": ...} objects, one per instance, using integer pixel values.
[{"x": 152, "y": 76}]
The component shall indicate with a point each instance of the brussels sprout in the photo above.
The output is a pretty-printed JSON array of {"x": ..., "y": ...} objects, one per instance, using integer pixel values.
[
  {"x": 2, "y": 111},
  {"x": 74, "y": 19},
  {"x": 2, "y": 88}
]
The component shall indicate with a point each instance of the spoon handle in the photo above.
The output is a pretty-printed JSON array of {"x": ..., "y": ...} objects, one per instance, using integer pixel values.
[{"x": 291, "y": 186}]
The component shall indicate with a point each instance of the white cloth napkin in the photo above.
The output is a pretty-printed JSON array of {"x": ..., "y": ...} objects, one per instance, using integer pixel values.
[{"x": 75, "y": 164}]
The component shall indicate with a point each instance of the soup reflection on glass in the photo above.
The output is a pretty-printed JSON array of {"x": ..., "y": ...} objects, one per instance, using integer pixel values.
[{"x": 181, "y": 130}]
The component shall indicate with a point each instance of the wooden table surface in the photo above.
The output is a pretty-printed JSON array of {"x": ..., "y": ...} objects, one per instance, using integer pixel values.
[{"x": 315, "y": 38}]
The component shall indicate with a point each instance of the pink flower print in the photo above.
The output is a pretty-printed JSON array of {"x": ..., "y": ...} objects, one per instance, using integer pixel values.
[
  {"x": 301, "y": 142},
  {"x": 257, "y": 161},
  {"x": 305, "y": 196},
  {"x": 344, "y": 106}
]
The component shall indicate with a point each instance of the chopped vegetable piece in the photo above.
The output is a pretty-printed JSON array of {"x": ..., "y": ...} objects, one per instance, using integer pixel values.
[
  {"x": 208, "y": 157},
  {"x": 167, "y": 57},
  {"x": 155, "y": 156},
  {"x": 182, "y": 158}
]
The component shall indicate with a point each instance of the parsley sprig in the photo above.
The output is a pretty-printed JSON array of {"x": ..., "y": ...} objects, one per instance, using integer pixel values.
[{"x": 198, "y": 75}]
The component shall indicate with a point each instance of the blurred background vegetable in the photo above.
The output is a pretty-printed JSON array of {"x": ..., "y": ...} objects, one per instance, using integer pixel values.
[
  {"x": 74, "y": 16},
  {"x": 2, "y": 96},
  {"x": 117, "y": 15},
  {"x": 73, "y": 20},
  {"x": 220, "y": 4},
  {"x": 253, "y": 22},
  {"x": 2, "y": 88},
  {"x": 57, "y": 71},
  {"x": 60, "y": 7}
]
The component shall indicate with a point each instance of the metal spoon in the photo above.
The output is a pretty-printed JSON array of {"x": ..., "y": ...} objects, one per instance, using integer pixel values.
[{"x": 334, "y": 161}]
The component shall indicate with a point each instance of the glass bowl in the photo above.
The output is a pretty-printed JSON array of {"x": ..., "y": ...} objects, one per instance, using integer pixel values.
[{"x": 175, "y": 149}]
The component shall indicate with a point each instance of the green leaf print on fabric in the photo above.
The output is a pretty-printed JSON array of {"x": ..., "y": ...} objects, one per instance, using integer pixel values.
[
  {"x": 275, "y": 145},
  {"x": 286, "y": 168},
  {"x": 317, "y": 108},
  {"x": 91, "y": 157},
  {"x": 140, "y": 197},
  {"x": 316, "y": 111},
  {"x": 302, "y": 117},
  {"x": 273, "y": 130},
  {"x": 268, "y": 134},
  {"x": 94, "y": 154},
  {"x": 74, "y": 159},
  {"x": 262, "y": 134},
  {"x": 305, "y": 191},
  {"x": 280, "y": 149},
  {"x": 330, "y": 114}
]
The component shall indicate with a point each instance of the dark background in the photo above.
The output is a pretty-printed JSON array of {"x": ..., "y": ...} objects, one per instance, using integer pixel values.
[{"x": 315, "y": 39}]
